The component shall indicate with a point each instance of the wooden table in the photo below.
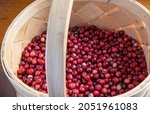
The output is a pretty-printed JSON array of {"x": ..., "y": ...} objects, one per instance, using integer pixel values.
[
  {"x": 9, "y": 9},
  {"x": 146, "y": 3}
]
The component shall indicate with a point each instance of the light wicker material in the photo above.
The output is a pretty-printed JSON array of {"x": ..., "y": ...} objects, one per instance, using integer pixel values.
[{"x": 107, "y": 14}]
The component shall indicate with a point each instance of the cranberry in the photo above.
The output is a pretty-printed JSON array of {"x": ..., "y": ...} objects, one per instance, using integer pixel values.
[
  {"x": 82, "y": 89},
  {"x": 42, "y": 39},
  {"x": 70, "y": 59},
  {"x": 29, "y": 81},
  {"x": 34, "y": 61},
  {"x": 79, "y": 70},
  {"x": 32, "y": 54},
  {"x": 19, "y": 76},
  {"x": 41, "y": 55},
  {"x": 127, "y": 81},
  {"x": 21, "y": 70},
  {"x": 37, "y": 73},
  {"x": 102, "y": 43},
  {"x": 26, "y": 66},
  {"x": 107, "y": 75},
  {"x": 33, "y": 83},
  {"x": 96, "y": 93},
  {"x": 113, "y": 88},
  {"x": 26, "y": 54},
  {"x": 142, "y": 77},
  {"x": 43, "y": 91},
  {"x": 114, "y": 49},
  {"x": 94, "y": 72},
  {"x": 118, "y": 87},
  {"x": 104, "y": 90},
  {"x": 90, "y": 95},
  {"x": 39, "y": 80},
  {"x": 113, "y": 93},
  {"x": 81, "y": 95},
  {"x": 30, "y": 71},
  {"x": 72, "y": 85},
  {"x": 37, "y": 86},
  {"x": 30, "y": 76},
  {"x": 98, "y": 87},
  {"x": 118, "y": 74},
  {"x": 84, "y": 65},
  {"x": 114, "y": 65},
  {"x": 41, "y": 62},
  {"x": 131, "y": 86},
  {"x": 75, "y": 91},
  {"x": 87, "y": 77},
  {"x": 74, "y": 62},
  {"x": 28, "y": 48},
  {"x": 79, "y": 60},
  {"x": 102, "y": 82}
]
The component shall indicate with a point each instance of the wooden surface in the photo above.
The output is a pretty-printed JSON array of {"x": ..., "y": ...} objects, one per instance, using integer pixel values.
[
  {"x": 9, "y": 9},
  {"x": 146, "y": 3}
]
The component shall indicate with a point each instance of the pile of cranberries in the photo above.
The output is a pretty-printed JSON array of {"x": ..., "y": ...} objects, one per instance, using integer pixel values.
[
  {"x": 32, "y": 67},
  {"x": 99, "y": 63}
]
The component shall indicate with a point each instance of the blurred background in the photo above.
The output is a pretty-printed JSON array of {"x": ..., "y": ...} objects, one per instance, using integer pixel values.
[{"x": 9, "y": 9}]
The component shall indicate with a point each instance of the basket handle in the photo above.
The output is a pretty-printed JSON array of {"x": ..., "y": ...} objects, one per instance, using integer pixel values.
[{"x": 58, "y": 24}]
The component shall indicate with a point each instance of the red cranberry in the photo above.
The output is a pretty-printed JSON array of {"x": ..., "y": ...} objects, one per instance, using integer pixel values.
[
  {"x": 37, "y": 73},
  {"x": 37, "y": 86},
  {"x": 72, "y": 85},
  {"x": 98, "y": 87},
  {"x": 113, "y": 93},
  {"x": 82, "y": 89},
  {"x": 29, "y": 81},
  {"x": 131, "y": 86},
  {"x": 26, "y": 66},
  {"x": 90, "y": 95},
  {"x": 75, "y": 91},
  {"x": 114, "y": 50},
  {"x": 127, "y": 81},
  {"x": 34, "y": 61},
  {"x": 41, "y": 55},
  {"x": 87, "y": 77},
  {"x": 94, "y": 72},
  {"x": 114, "y": 65},
  {"x": 21, "y": 70},
  {"x": 118, "y": 87},
  {"x": 142, "y": 77},
  {"x": 96, "y": 93},
  {"x": 80, "y": 95},
  {"x": 19, "y": 76},
  {"x": 26, "y": 54},
  {"x": 32, "y": 54},
  {"x": 104, "y": 90},
  {"x": 102, "y": 82},
  {"x": 118, "y": 74},
  {"x": 107, "y": 75},
  {"x": 30, "y": 71},
  {"x": 70, "y": 59}
]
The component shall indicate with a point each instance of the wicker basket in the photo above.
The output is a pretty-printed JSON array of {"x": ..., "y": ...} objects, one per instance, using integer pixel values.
[{"x": 125, "y": 15}]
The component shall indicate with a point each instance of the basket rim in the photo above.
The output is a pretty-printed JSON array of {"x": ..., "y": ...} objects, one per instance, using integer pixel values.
[{"x": 132, "y": 92}]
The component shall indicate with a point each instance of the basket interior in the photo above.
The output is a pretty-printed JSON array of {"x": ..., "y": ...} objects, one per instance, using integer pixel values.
[{"x": 103, "y": 15}]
